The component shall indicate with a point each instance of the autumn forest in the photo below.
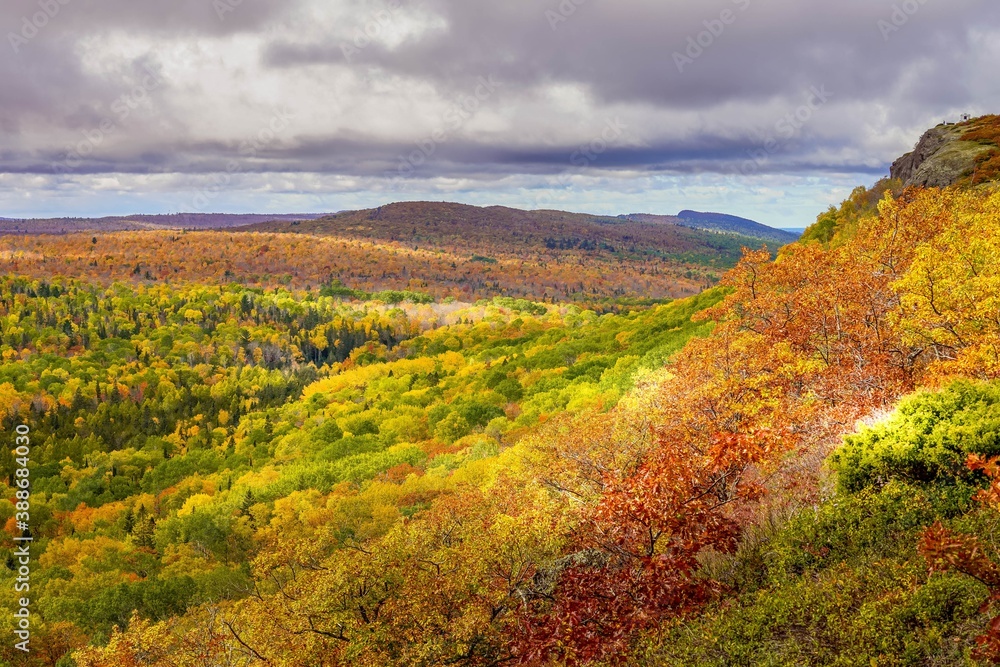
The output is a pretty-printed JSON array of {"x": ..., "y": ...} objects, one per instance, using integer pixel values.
[{"x": 407, "y": 437}]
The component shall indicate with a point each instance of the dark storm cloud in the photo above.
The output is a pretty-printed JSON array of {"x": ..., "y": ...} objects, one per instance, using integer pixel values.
[
  {"x": 373, "y": 158},
  {"x": 891, "y": 66},
  {"x": 625, "y": 50}
]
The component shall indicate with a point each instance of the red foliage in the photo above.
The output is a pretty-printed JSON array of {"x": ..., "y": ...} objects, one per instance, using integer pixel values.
[
  {"x": 398, "y": 474},
  {"x": 946, "y": 550},
  {"x": 804, "y": 347}
]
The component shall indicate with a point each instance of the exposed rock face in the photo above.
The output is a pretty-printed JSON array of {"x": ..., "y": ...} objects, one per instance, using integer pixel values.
[
  {"x": 906, "y": 167},
  {"x": 940, "y": 158}
]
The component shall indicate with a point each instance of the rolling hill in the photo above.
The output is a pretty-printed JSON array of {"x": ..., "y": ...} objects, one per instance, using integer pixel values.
[
  {"x": 721, "y": 223},
  {"x": 420, "y": 249},
  {"x": 449, "y": 225},
  {"x": 174, "y": 221},
  {"x": 666, "y": 258}
]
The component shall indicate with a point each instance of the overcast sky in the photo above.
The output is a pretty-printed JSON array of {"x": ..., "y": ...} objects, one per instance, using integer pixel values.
[{"x": 771, "y": 109}]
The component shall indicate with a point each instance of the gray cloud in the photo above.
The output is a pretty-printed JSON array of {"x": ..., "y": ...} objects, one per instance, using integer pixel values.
[
  {"x": 624, "y": 50},
  {"x": 371, "y": 83}
]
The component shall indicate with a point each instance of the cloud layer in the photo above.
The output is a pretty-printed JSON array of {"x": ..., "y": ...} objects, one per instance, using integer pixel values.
[{"x": 144, "y": 101}]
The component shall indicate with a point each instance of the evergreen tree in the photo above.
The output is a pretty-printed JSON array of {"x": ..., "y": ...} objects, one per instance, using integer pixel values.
[
  {"x": 143, "y": 533},
  {"x": 129, "y": 521}
]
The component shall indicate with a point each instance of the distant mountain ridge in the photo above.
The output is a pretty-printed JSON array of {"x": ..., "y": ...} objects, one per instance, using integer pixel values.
[
  {"x": 446, "y": 224},
  {"x": 117, "y": 223},
  {"x": 473, "y": 221},
  {"x": 719, "y": 222}
]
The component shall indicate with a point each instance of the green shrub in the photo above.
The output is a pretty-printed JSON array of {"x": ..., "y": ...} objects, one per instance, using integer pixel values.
[
  {"x": 478, "y": 414},
  {"x": 361, "y": 425},
  {"x": 328, "y": 432},
  {"x": 350, "y": 446},
  {"x": 510, "y": 389},
  {"x": 927, "y": 439},
  {"x": 840, "y": 584}
]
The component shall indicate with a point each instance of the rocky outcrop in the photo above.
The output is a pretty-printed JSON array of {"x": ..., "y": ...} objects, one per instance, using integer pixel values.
[
  {"x": 940, "y": 159},
  {"x": 905, "y": 168}
]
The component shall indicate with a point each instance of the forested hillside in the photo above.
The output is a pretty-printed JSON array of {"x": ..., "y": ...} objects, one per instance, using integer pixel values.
[
  {"x": 247, "y": 468},
  {"x": 176, "y": 428},
  {"x": 660, "y": 246},
  {"x": 578, "y": 273},
  {"x": 174, "y": 221},
  {"x": 437, "y": 250},
  {"x": 720, "y": 223},
  {"x": 528, "y": 484},
  {"x": 486, "y": 229}
]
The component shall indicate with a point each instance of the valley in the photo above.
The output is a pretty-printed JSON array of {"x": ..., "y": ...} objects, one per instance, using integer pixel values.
[{"x": 429, "y": 434}]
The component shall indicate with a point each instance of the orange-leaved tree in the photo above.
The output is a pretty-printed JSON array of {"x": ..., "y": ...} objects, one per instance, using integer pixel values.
[
  {"x": 804, "y": 346},
  {"x": 603, "y": 534}
]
